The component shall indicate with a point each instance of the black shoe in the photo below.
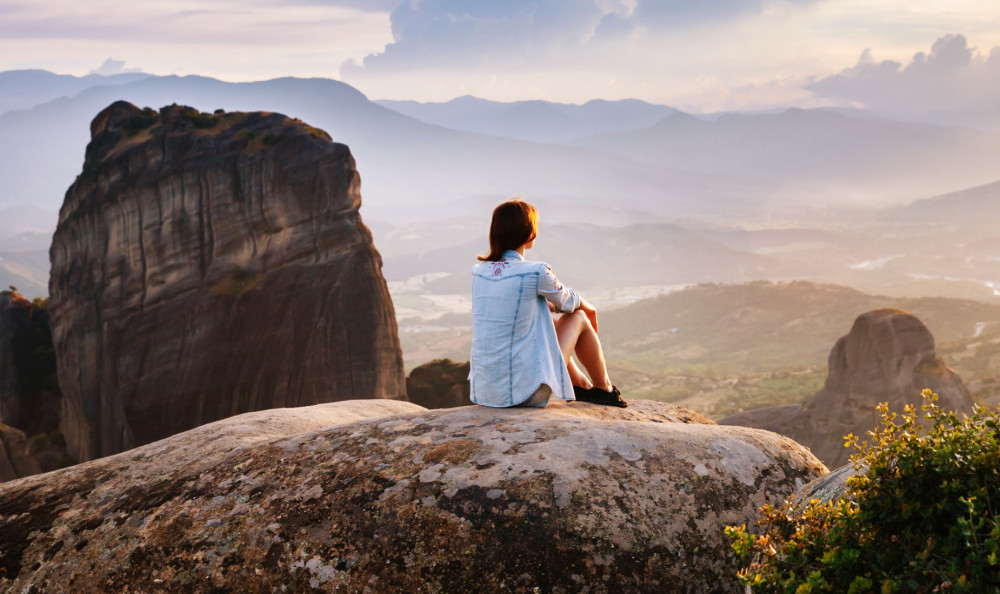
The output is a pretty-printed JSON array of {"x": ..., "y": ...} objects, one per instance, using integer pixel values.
[
  {"x": 598, "y": 396},
  {"x": 582, "y": 394}
]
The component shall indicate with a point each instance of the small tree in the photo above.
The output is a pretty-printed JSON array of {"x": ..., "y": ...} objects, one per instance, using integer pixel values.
[{"x": 920, "y": 515}]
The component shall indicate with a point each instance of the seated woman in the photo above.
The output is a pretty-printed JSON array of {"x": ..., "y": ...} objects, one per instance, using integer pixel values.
[{"x": 520, "y": 357}]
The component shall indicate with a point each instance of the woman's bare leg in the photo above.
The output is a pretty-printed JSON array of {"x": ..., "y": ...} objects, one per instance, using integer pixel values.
[
  {"x": 577, "y": 335},
  {"x": 576, "y": 376}
]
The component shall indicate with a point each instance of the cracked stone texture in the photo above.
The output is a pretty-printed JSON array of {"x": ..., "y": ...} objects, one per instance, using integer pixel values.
[
  {"x": 209, "y": 265},
  {"x": 570, "y": 498},
  {"x": 888, "y": 356}
]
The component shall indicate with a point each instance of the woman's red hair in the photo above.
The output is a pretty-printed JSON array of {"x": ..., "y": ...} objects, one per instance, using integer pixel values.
[{"x": 514, "y": 224}]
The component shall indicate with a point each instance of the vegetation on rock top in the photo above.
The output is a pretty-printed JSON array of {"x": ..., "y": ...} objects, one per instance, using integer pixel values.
[{"x": 920, "y": 515}]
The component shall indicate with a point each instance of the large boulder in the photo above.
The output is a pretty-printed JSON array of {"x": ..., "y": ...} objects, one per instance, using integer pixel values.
[
  {"x": 207, "y": 265},
  {"x": 440, "y": 383},
  {"x": 888, "y": 356},
  {"x": 569, "y": 498}
]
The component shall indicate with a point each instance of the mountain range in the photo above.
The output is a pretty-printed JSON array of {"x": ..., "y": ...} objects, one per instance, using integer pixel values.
[
  {"x": 409, "y": 168},
  {"x": 539, "y": 121},
  {"x": 630, "y": 193}
]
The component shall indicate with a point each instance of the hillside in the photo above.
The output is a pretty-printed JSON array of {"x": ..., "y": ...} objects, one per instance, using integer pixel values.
[
  {"x": 764, "y": 325},
  {"x": 974, "y": 206}
]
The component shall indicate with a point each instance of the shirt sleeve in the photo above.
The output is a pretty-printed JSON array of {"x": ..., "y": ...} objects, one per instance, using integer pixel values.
[{"x": 563, "y": 298}]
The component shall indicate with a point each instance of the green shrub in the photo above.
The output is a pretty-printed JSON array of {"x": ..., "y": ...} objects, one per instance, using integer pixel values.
[
  {"x": 202, "y": 121},
  {"x": 141, "y": 121},
  {"x": 271, "y": 139},
  {"x": 920, "y": 515}
]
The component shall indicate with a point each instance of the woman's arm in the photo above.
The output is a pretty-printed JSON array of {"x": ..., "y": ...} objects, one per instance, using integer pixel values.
[{"x": 563, "y": 299}]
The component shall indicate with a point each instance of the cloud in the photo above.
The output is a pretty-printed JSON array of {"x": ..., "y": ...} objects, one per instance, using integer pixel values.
[
  {"x": 434, "y": 34},
  {"x": 112, "y": 66},
  {"x": 951, "y": 77}
]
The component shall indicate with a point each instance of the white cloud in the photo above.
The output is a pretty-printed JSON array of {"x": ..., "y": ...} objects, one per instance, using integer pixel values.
[
  {"x": 436, "y": 34},
  {"x": 952, "y": 76},
  {"x": 112, "y": 66}
]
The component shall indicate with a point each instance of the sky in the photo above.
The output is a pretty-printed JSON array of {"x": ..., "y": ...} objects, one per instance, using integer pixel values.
[{"x": 698, "y": 55}]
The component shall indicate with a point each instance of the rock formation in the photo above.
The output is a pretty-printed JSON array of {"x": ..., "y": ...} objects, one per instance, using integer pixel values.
[
  {"x": 211, "y": 264},
  {"x": 888, "y": 356},
  {"x": 573, "y": 497},
  {"x": 441, "y": 383},
  {"x": 14, "y": 459},
  {"x": 29, "y": 393}
]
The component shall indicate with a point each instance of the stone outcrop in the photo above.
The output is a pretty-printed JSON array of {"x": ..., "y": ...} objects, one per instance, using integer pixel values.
[
  {"x": 888, "y": 356},
  {"x": 441, "y": 383},
  {"x": 572, "y": 497},
  {"x": 30, "y": 401},
  {"x": 15, "y": 321},
  {"x": 14, "y": 459},
  {"x": 207, "y": 265}
]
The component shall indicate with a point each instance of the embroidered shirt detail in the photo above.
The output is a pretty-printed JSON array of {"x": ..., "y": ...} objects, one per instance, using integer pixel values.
[{"x": 499, "y": 266}]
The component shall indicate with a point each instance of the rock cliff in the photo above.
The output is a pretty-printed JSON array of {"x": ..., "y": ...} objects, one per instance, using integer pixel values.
[
  {"x": 211, "y": 264},
  {"x": 888, "y": 356},
  {"x": 29, "y": 392},
  {"x": 573, "y": 497}
]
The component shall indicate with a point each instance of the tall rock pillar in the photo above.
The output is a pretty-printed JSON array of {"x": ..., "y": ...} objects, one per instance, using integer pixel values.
[{"x": 207, "y": 265}]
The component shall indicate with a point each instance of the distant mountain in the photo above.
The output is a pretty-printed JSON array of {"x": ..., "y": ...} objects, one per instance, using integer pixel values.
[
  {"x": 28, "y": 270},
  {"x": 764, "y": 325},
  {"x": 974, "y": 206},
  {"x": 540, "y": 121},
  {"x": 24, "y": 89},
  {"x": 871, "y": 158},
  {"x": 409, "y": 169}
]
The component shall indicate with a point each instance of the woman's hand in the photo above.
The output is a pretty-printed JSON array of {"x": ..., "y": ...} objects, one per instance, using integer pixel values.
[{"x": 590, "y": 312}]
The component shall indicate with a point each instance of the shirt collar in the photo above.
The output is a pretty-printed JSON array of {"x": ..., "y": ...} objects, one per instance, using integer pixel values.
[{"x": 512, "y": 255}]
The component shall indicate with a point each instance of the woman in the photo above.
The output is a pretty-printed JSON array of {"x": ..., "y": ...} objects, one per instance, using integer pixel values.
[{"x": 520, "y": 357}]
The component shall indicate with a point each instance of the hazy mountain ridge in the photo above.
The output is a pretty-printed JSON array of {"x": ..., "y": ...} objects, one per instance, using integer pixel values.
[
  {"x": 24, "y": 89},
  {"x": 814, "y": 146},
  {"x": 541, "y": 121},
  {"x": 979, "y": 205}
]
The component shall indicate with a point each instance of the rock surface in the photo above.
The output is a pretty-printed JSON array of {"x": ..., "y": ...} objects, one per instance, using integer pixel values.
[
  {"x": 441, "y": 383},
  {"x": 888, "y": 356},
  {"x": 570, "y": 498},
  {"x": 208, "y": 265}
]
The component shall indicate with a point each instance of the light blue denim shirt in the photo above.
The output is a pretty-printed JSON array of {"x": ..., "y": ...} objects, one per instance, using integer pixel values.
[{"x": 514, "y": 346}]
